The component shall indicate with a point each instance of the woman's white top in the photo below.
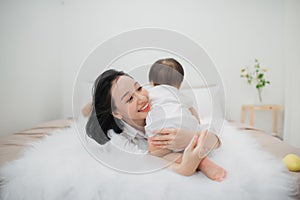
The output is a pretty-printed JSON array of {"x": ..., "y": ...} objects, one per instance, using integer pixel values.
[
  {"x": 130, "y": 140},
  {"x": 127, "y": 152}
]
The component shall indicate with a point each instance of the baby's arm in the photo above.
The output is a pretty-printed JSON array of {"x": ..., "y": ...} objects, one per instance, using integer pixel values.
[{"x": 194, "y": 112}]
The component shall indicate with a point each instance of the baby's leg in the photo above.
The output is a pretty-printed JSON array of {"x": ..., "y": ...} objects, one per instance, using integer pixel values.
[
  {"x": 206, "y": 166},
  {"x": 212, "y": 170}
]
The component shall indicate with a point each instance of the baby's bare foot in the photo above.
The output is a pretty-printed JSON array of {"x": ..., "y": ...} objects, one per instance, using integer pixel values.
[{"x": 212, "y": 170}]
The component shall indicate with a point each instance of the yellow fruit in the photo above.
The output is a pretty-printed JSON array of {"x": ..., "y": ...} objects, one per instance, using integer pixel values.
[{"x": 292, "y": 162}]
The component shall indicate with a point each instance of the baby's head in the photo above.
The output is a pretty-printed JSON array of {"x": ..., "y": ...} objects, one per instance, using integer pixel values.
[{"x": 166, "y": 71}]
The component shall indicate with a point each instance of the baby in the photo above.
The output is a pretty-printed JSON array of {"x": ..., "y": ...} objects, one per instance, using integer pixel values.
[{"x": 171, "y": 109}]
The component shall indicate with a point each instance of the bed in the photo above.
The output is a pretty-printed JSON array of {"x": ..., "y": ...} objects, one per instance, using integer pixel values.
[{"x": 15, "y": 146}]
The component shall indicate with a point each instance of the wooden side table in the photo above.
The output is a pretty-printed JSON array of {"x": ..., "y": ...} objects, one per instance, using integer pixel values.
[{"x": 252, "y": 108}]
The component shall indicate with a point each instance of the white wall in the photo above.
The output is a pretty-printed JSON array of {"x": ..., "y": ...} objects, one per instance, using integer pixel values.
[
  {"x": 233, "y": 32},
  {"x": 45, "y": 43},
  {"x": 30, "y": 73},
  {"x": 292, "y": 71}
]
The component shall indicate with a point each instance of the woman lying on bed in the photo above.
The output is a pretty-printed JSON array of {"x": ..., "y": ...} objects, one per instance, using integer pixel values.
[{"x": 120, "y": 107}]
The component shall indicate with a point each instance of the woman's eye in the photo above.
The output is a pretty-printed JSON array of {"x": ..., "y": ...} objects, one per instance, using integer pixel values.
[
  {"x": 130, "y": 99},
  {"x": 140, "y": 88}
]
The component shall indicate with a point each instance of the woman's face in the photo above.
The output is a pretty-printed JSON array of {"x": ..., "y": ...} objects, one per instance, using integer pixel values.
[{"x": 131, "y": 101}]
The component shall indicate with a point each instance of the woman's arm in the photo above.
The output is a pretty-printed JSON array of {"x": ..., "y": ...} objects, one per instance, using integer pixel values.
[
  {"x": 178, "y": 139},
  {"x": 156, "y": 151},
  {"x": 187, "y": 163}
]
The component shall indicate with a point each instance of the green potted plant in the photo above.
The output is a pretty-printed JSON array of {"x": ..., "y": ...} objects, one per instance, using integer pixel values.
[{"x": 256, "y": 75}]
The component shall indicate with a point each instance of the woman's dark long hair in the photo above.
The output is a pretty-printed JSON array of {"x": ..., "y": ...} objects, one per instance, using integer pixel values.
[{"x": 101, "y": 119}]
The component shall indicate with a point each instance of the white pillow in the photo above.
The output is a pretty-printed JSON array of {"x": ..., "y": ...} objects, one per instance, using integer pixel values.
[{"x": 203, "y": 101}]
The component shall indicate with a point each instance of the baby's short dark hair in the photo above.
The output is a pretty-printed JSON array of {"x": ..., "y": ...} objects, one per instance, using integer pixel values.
[{"x": 166, "y": 71}]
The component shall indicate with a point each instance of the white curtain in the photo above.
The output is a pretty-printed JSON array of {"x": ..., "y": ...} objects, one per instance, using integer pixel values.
[{"x": 292, "y": 72}]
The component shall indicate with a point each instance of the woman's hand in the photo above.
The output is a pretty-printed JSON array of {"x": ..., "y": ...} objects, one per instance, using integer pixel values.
[
  {"x": 172, "y": 138},
  {"x": 192, "y": 155}
]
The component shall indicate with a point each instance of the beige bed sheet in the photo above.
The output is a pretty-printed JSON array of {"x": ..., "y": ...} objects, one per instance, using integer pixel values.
[
  {"x": 272, "y": 144},
  {"x": 12, "y": 146}
]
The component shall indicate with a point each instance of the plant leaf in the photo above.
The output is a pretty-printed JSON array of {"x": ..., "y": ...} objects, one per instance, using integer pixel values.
[{"x": 260, "y": 76}]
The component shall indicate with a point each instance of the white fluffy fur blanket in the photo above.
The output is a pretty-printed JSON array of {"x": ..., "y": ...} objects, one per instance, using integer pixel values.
[{"x": 58, "y": 167}]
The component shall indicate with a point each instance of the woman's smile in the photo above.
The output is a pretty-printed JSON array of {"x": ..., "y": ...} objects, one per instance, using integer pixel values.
[{"x": 146, "y": 107}]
